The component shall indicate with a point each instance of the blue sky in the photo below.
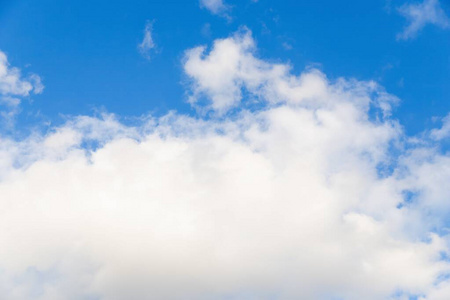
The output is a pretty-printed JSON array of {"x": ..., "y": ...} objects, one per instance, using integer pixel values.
[
  {"x": 86, "y": 52},
  {"x": 221, "y": 149}
]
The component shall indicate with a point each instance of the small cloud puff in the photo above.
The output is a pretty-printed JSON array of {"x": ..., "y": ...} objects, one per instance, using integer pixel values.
[
  {"x": 216, "y": 7},
  {"x": 444, "y": 131},
  {"x": 13, "y": 84},
  {"x": 13, "y": 88}
]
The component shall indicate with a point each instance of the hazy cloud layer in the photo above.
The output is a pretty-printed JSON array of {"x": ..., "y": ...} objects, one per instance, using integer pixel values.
[{"x": 316, "y": 194}]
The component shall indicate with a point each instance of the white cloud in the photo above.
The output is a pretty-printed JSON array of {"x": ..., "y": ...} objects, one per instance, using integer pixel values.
[
  {"x": 38, "y": 87},
  {"x": 217, "y": 7},
  {"x": 231, "y": 69},
  {"x": 444, "y": 131},
  {"x": 147, "y": 43},
  {"x": 13, "y": 87},
  {"x": 284, "y": 201},
  {"x": 12, "y": 83},
  {"x": 421, "y": 14}
]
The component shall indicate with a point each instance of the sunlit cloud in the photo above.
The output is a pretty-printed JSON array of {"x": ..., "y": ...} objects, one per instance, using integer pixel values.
[{"x": 313, "y": 193}]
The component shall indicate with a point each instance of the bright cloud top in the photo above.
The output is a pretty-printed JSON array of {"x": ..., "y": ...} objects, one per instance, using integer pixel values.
[
  {"x": 421, "y": 14},
  {"x": 301, "y": 198},
  {"x": 230, "y": 70}
]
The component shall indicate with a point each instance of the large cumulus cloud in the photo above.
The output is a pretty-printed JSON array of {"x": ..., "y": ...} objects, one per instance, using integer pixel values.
[{"x": 314, "y": 193}]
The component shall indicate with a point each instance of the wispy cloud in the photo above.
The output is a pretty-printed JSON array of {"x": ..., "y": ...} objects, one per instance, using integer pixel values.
[
  {"x": 421, "y": 14},
  {"x": 147, "y": 45},
  {"x": 287, "y": 46}
]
